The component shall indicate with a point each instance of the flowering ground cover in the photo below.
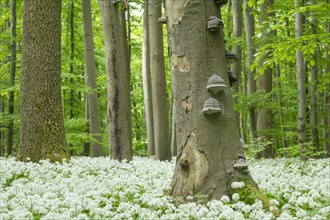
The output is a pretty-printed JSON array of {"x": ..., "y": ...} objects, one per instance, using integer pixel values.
[{"x": 100, "y": 188}]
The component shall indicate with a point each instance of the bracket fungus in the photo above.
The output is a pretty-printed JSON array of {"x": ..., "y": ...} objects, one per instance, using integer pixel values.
[
  {"x": 162, "y": 20},
  {"x": 231, "y": 57},
  {"x": 220, "y": 3},
  {"x": 240, "y": 163},
  {"x": 211, "y": 107},
  {"x": 214, "y": 23},
  {"x": 215, "y": 84}
]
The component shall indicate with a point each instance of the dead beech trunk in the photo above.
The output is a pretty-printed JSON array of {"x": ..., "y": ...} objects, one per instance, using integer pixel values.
[{"x": 207, "y": 138}]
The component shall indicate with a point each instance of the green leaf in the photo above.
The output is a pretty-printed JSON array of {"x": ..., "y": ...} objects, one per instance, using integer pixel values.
[{"x": 312, "y": 62}]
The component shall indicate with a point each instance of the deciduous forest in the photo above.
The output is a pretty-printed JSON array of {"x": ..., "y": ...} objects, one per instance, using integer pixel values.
[{"x": 164, "y": 109}]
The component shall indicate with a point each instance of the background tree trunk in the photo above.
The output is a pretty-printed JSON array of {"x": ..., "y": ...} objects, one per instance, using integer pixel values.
[
  {"x": 42, "y": 127},
  {"x": 301, "y": 77},
  {"x": 209, "y": 146},
  {"x": 11, "y": 103},
  {"x": 158, "y": 81},
  {"x": 314, "y": 82},
  {"x": 146, "y": 77},
  {"x": 236, "y": 67},
  {"x": 90, "y": 80},
  {"x": 265, "y": 84},
  {"x": 326, "y": 116},
  {"x": 71, "y": 69},
  {"x": 118, "y": 85},
  {"x": 252, "y": 87}
]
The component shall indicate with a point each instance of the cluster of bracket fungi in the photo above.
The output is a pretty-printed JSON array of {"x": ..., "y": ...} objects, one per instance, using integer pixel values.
[{"x": 215, "y": 83}]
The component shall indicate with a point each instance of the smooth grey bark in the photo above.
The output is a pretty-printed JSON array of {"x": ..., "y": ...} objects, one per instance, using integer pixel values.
[
  {"x": 252, "y": 85},
  {"x": 158, "y": 81},
  {"x": 301, "y": 77},
  {"x": 326, "y": 111},
  {"x": 87, "y": 145},
  {"x": 314, "y": 82},
  {"x": 42, "y": 126},
  {"x": 72, "y": 46},
  {"x": 127, "y": 68},
  {"x": 265, "y": 114},
  {"x": 146, "y": 77},
  {"x": 236, "y": 67},
  {"x": 208, "y": 146},
  {"x": 11, "y": 95},
  {"x": 90, "y": 80},
  {"x": 118, "y": 84},
  {"x": 2, "y": 132}
]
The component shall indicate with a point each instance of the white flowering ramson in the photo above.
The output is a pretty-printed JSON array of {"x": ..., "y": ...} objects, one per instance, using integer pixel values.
[
  {"x": 237, "y": 185},
  {"x": 100, "y": 188}
]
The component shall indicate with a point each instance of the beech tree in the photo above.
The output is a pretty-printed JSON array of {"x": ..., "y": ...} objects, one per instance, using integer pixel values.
[
  {"x": 265, "y": 84},
  {"x": 42, "y": 127},
  {"x": 118, "y": 84},
  {"x": 210, "y": 155},
  {"x": 158, "y": 81},
  {"x": 301, "y": 81},
  {"x": 252, "y": 87},
  {"x": 146, "y": 77},
  {"x": 90, "y": 80}
]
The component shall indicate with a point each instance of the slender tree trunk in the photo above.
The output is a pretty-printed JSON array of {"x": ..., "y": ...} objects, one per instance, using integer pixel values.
[
  {"x": 71, "y": 57},
  {"x": 209, "y": 144},
  {"x": 87, "y": 145},
  {"x": 252, "y": 87},
  {"x": 42, "y": 125},
  {"x": 127, "y": 54},
  {"x": 2, "y": 127},
  {"x": 146, "y": 76},
  {"x": 90, "y": 80},
  {"x": 159, "y": 94},
  {"x": 326, "y": 115},
  {"x": 265, "y": 84},
  {"x": 118, "y": 86},
  {"x": 301, "y": 77},
  {"x": 280, "y": 100},
  {"x": 10, "y": 137},
  {"x": 314, "y": 113},
  {"x": 236, "y": 67}
]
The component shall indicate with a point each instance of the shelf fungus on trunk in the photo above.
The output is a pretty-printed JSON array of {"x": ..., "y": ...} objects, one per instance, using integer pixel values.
[
  {"x": 214, "y": 23},
  {"x": 215, "y": 84},
  {"x": 162, "y": 20},
  {"x": 211, "y": 107},
  {"x": 220, "y": 3},
  {"x": 231, "y": 57}
]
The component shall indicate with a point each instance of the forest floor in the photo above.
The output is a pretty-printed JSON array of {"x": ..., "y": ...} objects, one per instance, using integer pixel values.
[{"x": 100, "y": 188}]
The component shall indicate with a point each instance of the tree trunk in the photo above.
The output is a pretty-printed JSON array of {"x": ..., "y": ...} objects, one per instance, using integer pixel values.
[
  {"x": 301, "y": 77},
  {"x": 236, "y": 67},
  {"x": 146, "y": 77},
  {"x": 326, "y": 116},
  {"x": 71, "y": 17},
  {"x": 158, "y": 81},
  {"x": 252, "y": 87},
  {"x": 265, "y": 84},
  {"x": 314, "y": 81},
  {"x": 90, "y": 80},
  {"x": 11, "y": 103},
  {"x": 87, "y": 145},
  {"x": 2, "y": 128},
  {"x": 209, "y": 144},
  {"x": 118, "y": 86},
  {"x": 280, "y": 101},
  {"x": 42, "y": 126}
]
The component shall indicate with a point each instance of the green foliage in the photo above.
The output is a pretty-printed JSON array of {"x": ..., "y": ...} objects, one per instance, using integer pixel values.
[{"x": 257, "y": 146}]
